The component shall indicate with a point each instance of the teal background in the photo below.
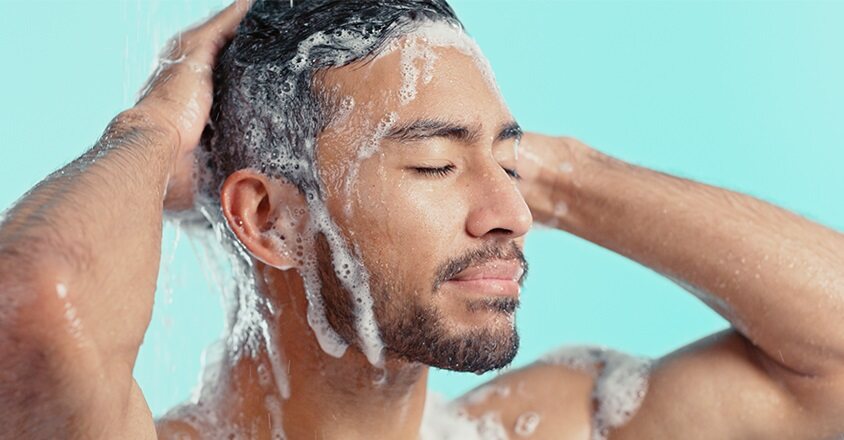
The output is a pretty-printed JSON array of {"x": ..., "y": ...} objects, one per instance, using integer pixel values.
[{"x": 746, "y": 95}]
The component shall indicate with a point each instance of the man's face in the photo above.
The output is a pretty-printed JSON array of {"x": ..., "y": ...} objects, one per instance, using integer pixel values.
[{"x": 421, "y": 186}]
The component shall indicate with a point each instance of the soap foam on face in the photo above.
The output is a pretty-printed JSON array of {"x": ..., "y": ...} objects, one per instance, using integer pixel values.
[
  {"x": 416, "y": 42},
  {"x": 353, "y": 275},
  {"x": 415, "y": 45},
  {"x": 250, "y": 313},
  {"x": 418, "y": 46}
]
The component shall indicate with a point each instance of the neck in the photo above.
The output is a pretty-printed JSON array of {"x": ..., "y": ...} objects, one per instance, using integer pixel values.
[{"x": 292, "y": 384}]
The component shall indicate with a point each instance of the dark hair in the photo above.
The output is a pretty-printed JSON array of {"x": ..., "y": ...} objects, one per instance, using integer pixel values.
[
  {"x": 269, "y": 108},
  {"x": 266, "y": 114}
]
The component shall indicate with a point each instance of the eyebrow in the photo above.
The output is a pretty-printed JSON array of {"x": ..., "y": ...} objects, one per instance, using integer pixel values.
[{"x": 422, "y": 129}]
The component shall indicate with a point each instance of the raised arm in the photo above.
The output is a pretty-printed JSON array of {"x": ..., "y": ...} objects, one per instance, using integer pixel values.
[
  {"x": 79, "y": 257},
  {"x": 777, "y": 277}
]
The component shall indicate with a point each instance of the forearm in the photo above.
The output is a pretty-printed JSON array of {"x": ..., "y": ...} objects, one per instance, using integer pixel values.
[
  {"x": 84, "y": 244},
  {"x": 777, "y": 277}
]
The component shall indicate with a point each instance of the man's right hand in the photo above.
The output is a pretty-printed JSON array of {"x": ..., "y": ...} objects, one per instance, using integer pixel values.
[
  {"x": 178, "y": 95},
  {"x": 80, "y": 253}
]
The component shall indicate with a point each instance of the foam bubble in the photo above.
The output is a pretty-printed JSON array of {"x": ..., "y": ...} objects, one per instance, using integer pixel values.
[
  {"x": 621, "y": 382},
  {"x": 344, "y": 110},
  {"x": 366, "y": 150},
  {"x": 278, "y": 364},
  {"x": 264, "y": 378},
  {"x": 247, "y": 309},
  {"x": 276, "y": 417},
  {"x": 409, "y": 71},
  {"x": 419, "y": 44},
  {"x": 561, "y": 209},
  {"x": 526, "y": 424},
  {"x": 249, "y": 313},
  {"x": 483, "y": 393},
  {"x": 328, "y": 339},
  {"x": 356, "y": 281},
  {"x": 74, "y": 324},
  {"x": 61, "y": 291},
  {"x": 328, "y": 48},
  {"x": 444, "y": 420},
  {"x": 355, "y": 45}
]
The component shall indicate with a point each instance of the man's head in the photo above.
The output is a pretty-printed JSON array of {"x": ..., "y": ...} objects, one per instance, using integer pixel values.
[{"x": 403, "y": 217}]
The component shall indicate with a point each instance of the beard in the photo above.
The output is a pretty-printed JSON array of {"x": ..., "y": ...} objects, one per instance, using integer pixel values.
[
  {"x": 419, "y": 332},
  {"x": 421, "y": 335}
]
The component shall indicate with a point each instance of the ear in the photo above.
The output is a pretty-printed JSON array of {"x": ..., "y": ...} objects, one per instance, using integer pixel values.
[{"x": 266, "y": 215}]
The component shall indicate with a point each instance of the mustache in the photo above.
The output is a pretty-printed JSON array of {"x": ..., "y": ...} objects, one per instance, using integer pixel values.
[{"x": 484, "y": 254}]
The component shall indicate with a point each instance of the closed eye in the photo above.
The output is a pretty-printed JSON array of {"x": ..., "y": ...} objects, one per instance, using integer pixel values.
[
  {"x": 513, "y": 173},
  {"x": 435, "y": 172}
]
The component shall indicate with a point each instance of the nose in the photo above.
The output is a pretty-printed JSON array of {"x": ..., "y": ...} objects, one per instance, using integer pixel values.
[{"x": 497, "y": 206}]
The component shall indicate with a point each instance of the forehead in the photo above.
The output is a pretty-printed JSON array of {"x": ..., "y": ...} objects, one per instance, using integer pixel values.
[{"x": 428, "y": 74}]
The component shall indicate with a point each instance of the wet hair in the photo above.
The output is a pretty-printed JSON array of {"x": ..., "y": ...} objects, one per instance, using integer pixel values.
[
  {"x": 267, "y": 112},
  {"x": 269, "y": 108}
]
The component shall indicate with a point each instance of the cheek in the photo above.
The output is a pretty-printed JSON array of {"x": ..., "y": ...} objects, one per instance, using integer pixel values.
[{"x": 413, "y": 224}]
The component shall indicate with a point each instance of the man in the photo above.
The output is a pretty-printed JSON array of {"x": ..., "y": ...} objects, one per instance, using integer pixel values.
[{"x": 375, "y": 214}]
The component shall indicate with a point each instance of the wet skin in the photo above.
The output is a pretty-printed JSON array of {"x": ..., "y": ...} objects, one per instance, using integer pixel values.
[
  {"x": 406, "y": 222},
  {"x": 778, "y": 374},
  {"x": 427, "y": 195}
]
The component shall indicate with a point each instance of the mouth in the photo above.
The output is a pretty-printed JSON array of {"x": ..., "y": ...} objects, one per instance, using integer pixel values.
[{"x": 494, "y": 278}]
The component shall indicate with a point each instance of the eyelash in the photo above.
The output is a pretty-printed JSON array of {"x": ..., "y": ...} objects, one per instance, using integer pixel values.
[
  {"x": 513, "y": 173},
  {"x": 446, "y": 170},
  {"x": 435, "y": 172}
]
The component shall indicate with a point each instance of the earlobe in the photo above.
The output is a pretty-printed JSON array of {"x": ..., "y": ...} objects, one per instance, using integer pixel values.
[{"x": 266, "y": 215}]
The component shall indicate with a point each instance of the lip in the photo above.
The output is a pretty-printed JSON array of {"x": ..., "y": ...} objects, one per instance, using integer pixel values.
[{"x": 498, "y": 278}]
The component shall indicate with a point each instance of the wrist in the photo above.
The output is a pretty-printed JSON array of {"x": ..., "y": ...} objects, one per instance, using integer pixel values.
[
  {"x": 597, "y": 196},
  {"x": 138, "y": 134},
  {"x": 151, "y": 129},
  {"x": 559, "y": 168}
]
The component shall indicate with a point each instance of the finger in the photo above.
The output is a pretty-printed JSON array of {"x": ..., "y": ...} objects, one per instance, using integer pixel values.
[
  {"x": 177, "y": 78},
  {"x": 206, "y": 39},
  {"x": 222, "y": 26},
  {"x": 226, "y": 21}
]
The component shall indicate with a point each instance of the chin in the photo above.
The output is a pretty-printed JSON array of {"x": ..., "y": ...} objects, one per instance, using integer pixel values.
[
  {"x": 484, "y": 350},
  {"x": 476, "y": 337}
]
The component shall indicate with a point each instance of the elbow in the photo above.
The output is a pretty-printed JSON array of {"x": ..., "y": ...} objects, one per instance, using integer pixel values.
[
  {"x": 29, "y": 407},
  {"x": 31, "y": 353},
  {"x": 33, "y": 304}
]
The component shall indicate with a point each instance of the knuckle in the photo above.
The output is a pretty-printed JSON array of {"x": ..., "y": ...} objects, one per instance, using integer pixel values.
[
  {"x": 172, "y": 50},
  {"x": 184, "y": 43},
  {"x": 204, "y": 42},
  {"x": 189, "y": 35}
]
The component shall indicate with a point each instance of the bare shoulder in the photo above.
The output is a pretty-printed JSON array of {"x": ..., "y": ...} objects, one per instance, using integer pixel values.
[
  {"x": 540, "y": 401},
  {"x": 724, "y": 387},
  {"x": 719, "y": 387}
]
